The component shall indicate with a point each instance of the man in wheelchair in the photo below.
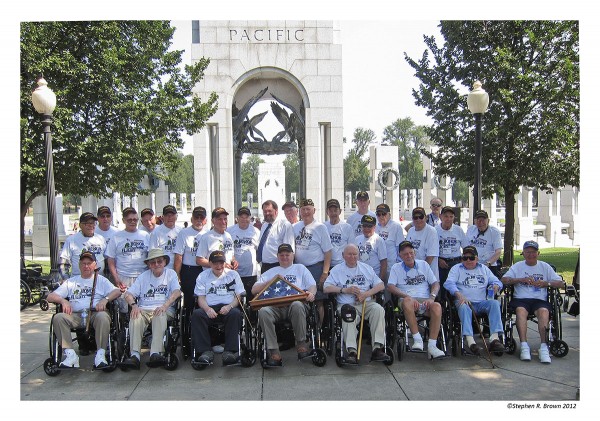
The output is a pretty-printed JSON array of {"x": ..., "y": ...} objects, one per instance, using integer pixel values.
[
  {"x": 415, "y": 284},
  {"x": 155, "y": 290},
  {"x": 468, "y": 283},
  {"x": 531, "y": 279},
  {"x": 75, "y": 297},
  {"x": 216, "y": 290},
  {"x": 355, "y": 282}
]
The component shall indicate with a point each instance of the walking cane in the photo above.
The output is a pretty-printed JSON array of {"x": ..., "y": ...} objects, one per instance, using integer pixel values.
[
  {"x": 481, "y": 334},
  {"x": 89, "y": 318},
  {"x": 362, "y": 322},
  {"x": 244, "y": 311}
]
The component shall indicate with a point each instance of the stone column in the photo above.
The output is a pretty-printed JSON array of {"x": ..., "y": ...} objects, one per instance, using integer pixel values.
[
  {"x": 523, "y": 217},
  {"x": 445, "y": 195},
  {"x": 40, "y": 235},
  {"x": 161, "y": 197},
  {"x": 569, "y": 209},
  {"x": 192, "y": 200},
  {"x": 549, "y": 214},
  {"x": 183, "y": 202},
  {"x": 489, "y": 205}
]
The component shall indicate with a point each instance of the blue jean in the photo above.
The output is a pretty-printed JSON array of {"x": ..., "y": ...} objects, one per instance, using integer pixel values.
[{"x": 490, "y": 307}]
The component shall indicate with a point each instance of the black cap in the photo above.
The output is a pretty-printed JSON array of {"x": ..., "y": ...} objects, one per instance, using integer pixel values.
[
  {"x": 244, "y": 210},
  {"x": 368, "y": 220},
  {"x": 217, "y": 256},
  {"x": 418, "y": 211},
  {"x": 169, "y": 209},
  {"x": 87, "y": 254},
  {"x": 362, "y": 195},
  {"x": 306, "y": 202},
  {"x": 103, "y": 210},
  {"x": 86, "y": 216},
  {"x": 470, "y": 250},
  {"x": 128, "y": 211},
  {"x": 290, "y": 204},
  {"x": 285, "y": 248},
  {"x": 481, "y": 214},
  {"x": 146, "y": 211},
  {"x": 199, "y": 212},
  {"x": 218, "y": 211},
  {"x": 405, "y": 244},
  {"x": 382, "y": 207},
  {"x": 448, "y": 209},
  {"x": 333, "y": 203}
]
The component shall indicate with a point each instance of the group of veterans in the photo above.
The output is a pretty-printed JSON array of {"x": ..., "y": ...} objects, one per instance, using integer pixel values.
[{"x": 147, "y": 268}]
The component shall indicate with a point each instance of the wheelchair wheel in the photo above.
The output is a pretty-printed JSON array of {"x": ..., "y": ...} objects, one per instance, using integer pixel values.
[
  {"x": 510, "y": 346},
  {"x": 456, "y": 346},
  {"x": 319, "y": 357},
  {"x": 338, "y": 354},
  {"x": 44, "y": 305},
  {"x": 248, "y": 357},
  {"x": 51, "y": 368},
  {"x": 401, "y": 345},
  {"x": 559, "y": 348},
  {"x": 25, "y": 294},
  {"x": 390, "y": 353},
  {"x": 172, "y": 362}
]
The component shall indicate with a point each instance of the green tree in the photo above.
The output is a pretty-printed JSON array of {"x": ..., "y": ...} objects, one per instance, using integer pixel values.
[
  {"x": 411, "y": 141},
  {"x": 292, "y": 174},
  {"x": 356, "y": 166},
  {"x": 123, "y": 103},
  {"x": 531, "y": 130},
  {"x": 250, "y": 176},
  {"x": 181, "y": 178}
]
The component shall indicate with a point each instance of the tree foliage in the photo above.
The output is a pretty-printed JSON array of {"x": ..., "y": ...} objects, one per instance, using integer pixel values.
[
  {"x": 356, "y": 165},
  {"x": 411, "y": 141},
  {"x": 123, "y": 103},
  {"x": 250, "y": 176},
  {"x": 531, "y": 130},
  {"x": 181, "y": 178}
]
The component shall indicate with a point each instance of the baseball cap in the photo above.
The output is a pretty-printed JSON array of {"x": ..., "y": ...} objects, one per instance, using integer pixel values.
[
  {"x": 290, "y": 204},
  {"x": 418, "y": 211},
  {"x": 146, "y": 211},
  {"x": 244, "y": 210},
  {"x": 333, "y": 202},
  {"x": 285, "y": 248},
  {"x": 531, "y": 243},
  {"x": 470, "y": 249},
  {"x": 218, "y": 211},
  {"x": 128, "y": 211},
  {"x": 448, "y": 209},
  {"x": 362, "y": 195},
  {"x": 169, "y": 209},
  {"x": 199, "y": 212},
  {"x": 405, "y": 244},
  {"x": 368, "y": 220},
  {"x": 87, "y": 254},
  {"x": 306, "y": 202},
  {"x": 481, "y": 214},
  {"x": 217, "y": 256},
  {"x": 86, "y": 216},
  {"x": 104, "y": 209},
  {"x": 382, "y": 207}
]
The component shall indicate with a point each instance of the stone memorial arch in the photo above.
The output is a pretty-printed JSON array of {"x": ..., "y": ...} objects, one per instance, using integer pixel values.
[{"x": 297, "y": 67}]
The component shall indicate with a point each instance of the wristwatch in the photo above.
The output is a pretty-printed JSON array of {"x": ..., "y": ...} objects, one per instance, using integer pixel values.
[{"x": 433, "y": 295}]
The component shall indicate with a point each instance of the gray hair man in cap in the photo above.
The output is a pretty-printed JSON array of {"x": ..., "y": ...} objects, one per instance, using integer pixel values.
[
  {"x": 217, "y": 239},
  {"x": 391, "y": 232},
  {"x": 340, "y": 233},
  {"x": 452, "y": 239},
  {"x": 151, "y": 297},
  {"x": 165, "y": 235},
  {"x": 84, "y": 240},
  {"x": 371, "y": 247},
  {"x": 362, "y": 208},
  {"x": 487, "y": 240},
  {"x": 245, "y": 242},
  {"x": 424, "y": 239},
  {"x": 290, "y": 210},
  {"x": 147, "y": 220},
  {"x": 531, "y": 279}
]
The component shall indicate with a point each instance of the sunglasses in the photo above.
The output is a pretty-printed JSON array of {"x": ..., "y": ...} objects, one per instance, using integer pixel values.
[
  {"x": 381, "y": 214},
  {"x": 436, "y": 206},
  {"x": 465, "y": 258},
  {"x": 418, "y": 217}
]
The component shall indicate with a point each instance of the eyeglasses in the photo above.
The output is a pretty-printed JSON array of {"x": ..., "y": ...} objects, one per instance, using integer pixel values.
[
  {"x": 132, "y": 220},
  {"x": 435, "y": 205},
  {"x": 381, "y": 214},
  {"x": 159, "y": 261},
  {"x": 465, "y": 258},
  {"x": 418, "y": 217}
]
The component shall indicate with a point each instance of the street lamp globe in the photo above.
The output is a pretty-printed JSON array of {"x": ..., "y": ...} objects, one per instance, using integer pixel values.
[
  {"x": 44, "y": 100},
  {"x": 478, "y": 99}
]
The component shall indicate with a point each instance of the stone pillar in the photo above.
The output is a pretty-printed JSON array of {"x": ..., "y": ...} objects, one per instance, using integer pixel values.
[
  {"x": 89, "y": 204},
  {"x": 40, "y": 235},
  {"x": 382, "y": 158},
  {"x": 549, "y": 214},
  {"x": 134, "y": 202},
  {"x": 426, "y": 194},
  {"x": 489, "y": 205},
  {"x": 161, "y": 197},
  {"x": 183, "y": 202},
  {"x": 523, "y": 217},
  {"x": 192, "y": 200},
  {"x": 445, "y": 195},
  {"x": 348, "y": 200},
  {"x": 569, "y": 210},
  {"x": 126, "y": 202},
  {"x": 117, "y": 209}
]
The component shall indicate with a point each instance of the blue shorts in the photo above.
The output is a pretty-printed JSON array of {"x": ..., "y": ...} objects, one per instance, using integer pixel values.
[{"x": 529, "y": 304}]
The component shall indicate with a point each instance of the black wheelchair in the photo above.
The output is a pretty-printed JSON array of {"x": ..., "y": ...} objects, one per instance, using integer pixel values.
[
  {"x": 246, "y": 353},
  {"x": 398, "y": 331},
  {"x": 52, "y": 364},
  {"x": 285, "y": 335},
  {"x": 557, "y": 346},
  {"x": 35, "y": 287},
  {"x": 572, "y": 293},
  {"x": 171, "y": 338}
]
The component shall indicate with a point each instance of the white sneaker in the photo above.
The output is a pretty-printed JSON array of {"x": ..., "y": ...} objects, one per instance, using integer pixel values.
[
  {"x": 525, "y": 354},
  {"x": 217, "y": 349},
  {"x": 71, "y": 359},
  {"x": 417, "y": 345},
  {"x": 544, "y": 355},
  {"x": 434, "y": 352},
  {"x": 100, "y": 360}
]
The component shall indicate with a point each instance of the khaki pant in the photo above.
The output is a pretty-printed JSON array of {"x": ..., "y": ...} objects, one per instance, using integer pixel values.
[
  {"x": 63, "y": 323},
  {"x": 375, "y": 314},
  {"x": 295, "y": 312},
  {"x": 138, "y": 325}
]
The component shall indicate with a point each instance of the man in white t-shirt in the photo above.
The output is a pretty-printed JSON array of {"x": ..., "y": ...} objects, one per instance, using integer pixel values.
[
  {"x": 217, "y": 239},
  {"x": 75, "y": 297},
  {"x": 531, "y": 279},
  {"x": 390, "y": 232},
  {"x": 290, "y": 210},
  {"x": 424, "y": 239},
  {"x": 147, "y": 220},
  {"x": 84, "y": 240},
  {"x": 164, "y": 236},
  {"x": 487, "y": 240},
  {"x": 371, "y": 247},
  {"x": 296, "y": 312},
  {"x": 362, "y": 208},
  {"x": 245, "y": 241},
  {"x": 156, "y": 290},
  {"x": 340, "y": 233},
  {"x": 452, "y": 239}
]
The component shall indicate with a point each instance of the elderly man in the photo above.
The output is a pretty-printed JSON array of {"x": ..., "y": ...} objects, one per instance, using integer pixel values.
[
  {"x": 451, "y": 239},
  {"x": 371, "y": 247},
  {"x": 156, "y": 290},
  {"x": 105, "y": 227},
  {"x": 425, "y": 240},
  {"x": 273, "y": 232},
  {"x": 85, "y": 240},
  {"x": 362, "y": 208},
  {"x": 290, "y": 211},
  {"x": 531, "y": 279},
  {"x": 164, "y": 236},
  {"x": 391, "y": 233},
  {"x": 217, "y": 239},
  {"x": 75, "y": 297},
  {"x": 434, "y": 218},
  {"x": 245, "y": 242},
  {"x": 340, "y": 233},
  {"x": 487, "y": 240},
  {"x": 414, "y": 283},
  {"x": 469, "y": 283},
  {"x": 126, "y": 253},
  {"x": 355, "y": 282},
  {"x": 296, "y": 312},
  {"x": 148, "y": 221},
  {"x": 216, "y": 289}
]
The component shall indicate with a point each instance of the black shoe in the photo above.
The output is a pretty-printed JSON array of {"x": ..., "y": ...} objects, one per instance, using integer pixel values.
[
  {"x": 496, "y": 346},
  {"x": 229, "y": 357},
  {"x": 131, "y": 362},
  {"x": 379, "y": 355},
  {"x": 352, "y": 358},
  {"x": 156, "y": 360},
  {"x": 474, "y": 348},
  {"x": 274, "y": 360}
]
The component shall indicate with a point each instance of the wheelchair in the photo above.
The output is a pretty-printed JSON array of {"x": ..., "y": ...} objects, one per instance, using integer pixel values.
[
  {"x": 557, "y": 346},
  {"x": 285, "y": 334},
  {"x": 171, "y": 338},
  {"x": 338, "y": 340},
  {"x": 398, "y": 331},
  {"x": 52, "y": 365},
  {"x": 246, "y": 355},
  {"x": 35, "y": 287},
  {"x": 572, "y": 292}
]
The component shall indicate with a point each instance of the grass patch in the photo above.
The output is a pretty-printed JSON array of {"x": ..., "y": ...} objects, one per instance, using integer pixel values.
[{"x": 564, "y": 259}]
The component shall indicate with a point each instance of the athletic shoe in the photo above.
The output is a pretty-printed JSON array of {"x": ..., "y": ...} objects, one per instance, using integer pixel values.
[
  {"x": 71, "y": 359},
  {"x": 433, "y": 352},
  {"x": 206, "y": 357},
  {"x": 474, "y": 348},
  {"x": 100, "y": 359},
  {"x": 131, "y": 362},
  {"x": 544, "y": 355},
  {"x": 525, "y": 354},
  {"x": 417, "y": 345},
  {"x": 229, "y": 358},
  {"x": 156, "y": 360}
]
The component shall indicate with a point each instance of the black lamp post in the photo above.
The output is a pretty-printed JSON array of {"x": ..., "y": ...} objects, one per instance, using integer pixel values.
[
  {"x": 477, "y": 101},
  {"x": 44, "y": 102}
]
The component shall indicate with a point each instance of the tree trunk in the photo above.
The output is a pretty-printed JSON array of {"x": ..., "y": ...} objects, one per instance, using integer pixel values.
[{"x": 509, "y": 228}]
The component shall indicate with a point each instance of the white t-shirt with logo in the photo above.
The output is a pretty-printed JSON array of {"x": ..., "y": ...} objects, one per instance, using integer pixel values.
[
  {"x": 392, "y": 234},
  {"x": 371, "y": 250},
  {"x": 165, "y": 238},
  {"x": 151, "y": 291},
  {"x": 129, "y": 249},
  {"x": 340, "y": 235},
  {"x": 212, "y": 241},
  {"x": 108, "y": 234},
  {"x": 219, "y": 290},
  {"x": 312, "y": 242},
  {"x": 354, "y": 221},
  {"x": 78, "y": 243},
  {"x": 78, "y": 291},
  {"x": 472, "y": 283},
  {"x": 486, "y": 243},
  {"x": 451, "y": 241},
  {"x": 426, "y": 243},
  {"x": 187, "y": 244},
  {"x": 296, "y": 274},
  {"x": 362, "y": 276},
  {"x": 245, "y": 243},
  {"x": 542, "y": 271},
  {"x": 415, "y": 281}
]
